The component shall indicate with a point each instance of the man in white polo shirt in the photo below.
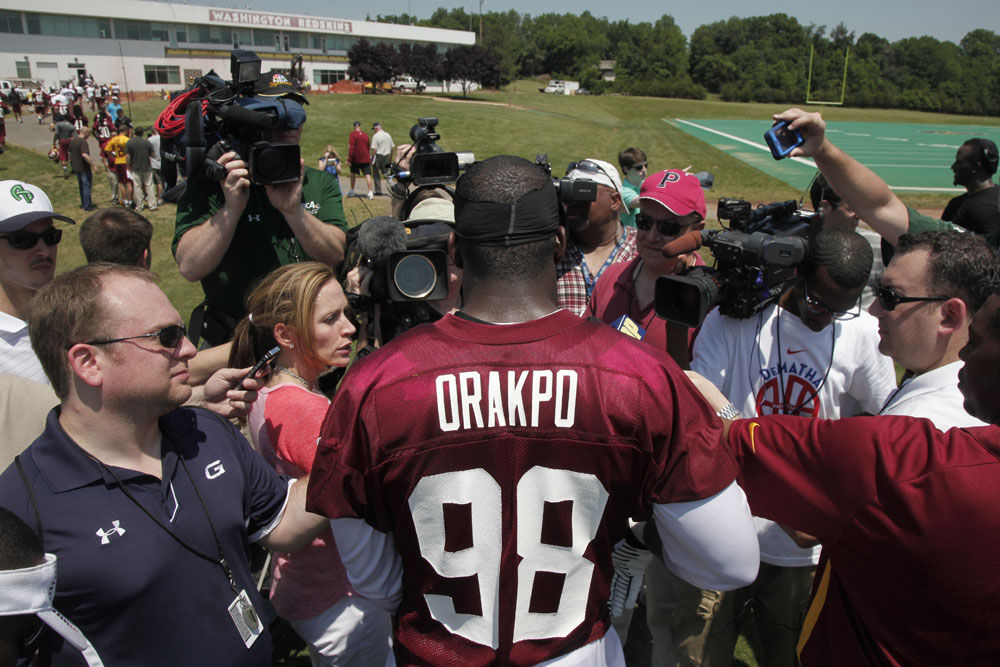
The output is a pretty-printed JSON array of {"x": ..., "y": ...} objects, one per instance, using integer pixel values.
[{"x": 28, "y": 247}]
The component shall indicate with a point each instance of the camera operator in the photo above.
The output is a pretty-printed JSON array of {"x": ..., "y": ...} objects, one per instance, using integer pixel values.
[
  {"x": 597, "y": 237},
  {"x": 231, "y": 232},
  {"x": 814, "y": 354}
]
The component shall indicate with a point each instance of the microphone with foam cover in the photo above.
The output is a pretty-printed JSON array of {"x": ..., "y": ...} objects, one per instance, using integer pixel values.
[
  {"x": 381, "y": 236},
  {"x": 237, "y": 115},
  {"x": 687, "y": 242}
]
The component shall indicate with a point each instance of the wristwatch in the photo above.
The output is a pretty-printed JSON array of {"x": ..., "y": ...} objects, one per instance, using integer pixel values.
[{"x": 730, "y": 411}]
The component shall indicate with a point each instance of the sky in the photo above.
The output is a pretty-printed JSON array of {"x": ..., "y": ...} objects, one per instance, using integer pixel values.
[{"x": 892, "y": 19}]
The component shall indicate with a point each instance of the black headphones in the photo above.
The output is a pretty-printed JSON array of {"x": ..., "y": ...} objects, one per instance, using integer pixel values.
[{"x": 987, "y": 154}]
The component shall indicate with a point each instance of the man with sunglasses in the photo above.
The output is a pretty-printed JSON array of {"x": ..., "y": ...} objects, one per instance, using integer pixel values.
[
  {"x": 597, "y": 239},
  {"x": 149, "y": 506},
  {"x": 906, "y": 514},
  {"x": 925, "y": 301},
  {"x": 812, "y": 354},
  {"x": 28, "y": 249}
]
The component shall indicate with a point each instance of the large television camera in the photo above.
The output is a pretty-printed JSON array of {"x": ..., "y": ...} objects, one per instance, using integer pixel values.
[
  {"x": 223, "y": 116},
  {"x": 430, "y": 165},
  {"x": 755, "y": 262}
]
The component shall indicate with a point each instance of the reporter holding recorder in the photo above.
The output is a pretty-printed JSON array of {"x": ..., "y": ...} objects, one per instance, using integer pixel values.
[{"x": 301, "y": 309}]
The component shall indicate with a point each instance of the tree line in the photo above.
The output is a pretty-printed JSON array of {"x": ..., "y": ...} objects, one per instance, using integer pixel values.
[{"x": 760, "y": 58}]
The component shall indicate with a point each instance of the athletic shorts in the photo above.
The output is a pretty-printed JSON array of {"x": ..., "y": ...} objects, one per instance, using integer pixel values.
[
  {"x": 63, "y": 150},
  {"x": 363, "y": 168},
  {"x": 121, "y": 171}
]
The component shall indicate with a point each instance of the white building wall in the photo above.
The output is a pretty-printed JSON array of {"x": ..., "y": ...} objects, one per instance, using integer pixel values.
[{"x": 123, "y": 60}]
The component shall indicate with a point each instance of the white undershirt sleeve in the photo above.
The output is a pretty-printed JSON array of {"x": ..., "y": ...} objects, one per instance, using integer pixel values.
[
  {"x": 710, "y": 543},
  {"x": 373, "y": 566}
]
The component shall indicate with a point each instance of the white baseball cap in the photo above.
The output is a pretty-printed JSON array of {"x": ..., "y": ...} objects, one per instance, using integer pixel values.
[
  {"x": 599, "y": 171},
  {"x": 22, "y": 204}
]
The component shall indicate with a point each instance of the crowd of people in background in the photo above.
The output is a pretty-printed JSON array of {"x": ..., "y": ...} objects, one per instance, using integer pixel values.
[{"x": 500, "y": 470}]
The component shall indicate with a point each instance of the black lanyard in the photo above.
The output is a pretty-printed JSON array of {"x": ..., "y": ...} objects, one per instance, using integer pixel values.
[{"x": 220, "y": 560}]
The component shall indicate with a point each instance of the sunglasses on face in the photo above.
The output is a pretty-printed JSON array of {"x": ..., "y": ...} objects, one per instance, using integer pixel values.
[
  {"x": 666, "y": 227},
  {"x": 23, "y": 239},
  {"x": 169, "y": 337},
  {"x": 888, "y": 299},
  {"x": 817, "y": 307},
  {"x": 639, "y": 167}
]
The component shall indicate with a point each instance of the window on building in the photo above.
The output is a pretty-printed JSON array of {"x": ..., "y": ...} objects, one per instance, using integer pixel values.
[
  {"x": 298, "y": 40},
  {"x": 104, "y": 28},
  {"x": 328, "y": 76},
  {"x": 61, "y": 26},
  {"x": 203, "y": 34},
  {"x": 182, "y": 33},
  {"x": 11, "y": 22},
  {"x": 162, "y": 74},
  {"x": 264, "y": 37},
  {"x": 241, "y": 37},
  {"x": 23, "y": 69}
]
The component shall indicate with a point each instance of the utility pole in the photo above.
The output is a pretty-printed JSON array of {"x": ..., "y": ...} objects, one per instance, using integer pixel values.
[{"x": 481, "y": 21}]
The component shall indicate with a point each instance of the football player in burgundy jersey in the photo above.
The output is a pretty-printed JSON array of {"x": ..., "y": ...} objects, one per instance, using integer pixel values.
[{"x": 480, "y": 469}]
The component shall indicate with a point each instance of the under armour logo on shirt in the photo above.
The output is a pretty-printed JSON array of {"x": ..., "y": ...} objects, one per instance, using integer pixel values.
[
  {"x": 105, "y": 535},
  {"x": 254, "y": 217}
]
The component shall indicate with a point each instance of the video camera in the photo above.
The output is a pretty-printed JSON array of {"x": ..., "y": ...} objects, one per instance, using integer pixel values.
[
  {"x": 430, "y": 165},
  {"x": 409, "y": 263},
  {"x": 228, "y": 116},
  {"x": 568, "y": 189},
  {"x": 755, "y": 262}
]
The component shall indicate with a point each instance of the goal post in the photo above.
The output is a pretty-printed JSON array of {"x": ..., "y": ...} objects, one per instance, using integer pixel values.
[{"x": 843, "y": 83}]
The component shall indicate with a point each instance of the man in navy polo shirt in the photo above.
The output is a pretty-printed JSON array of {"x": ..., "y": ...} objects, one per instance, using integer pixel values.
[{"x": 149, "y": 507}]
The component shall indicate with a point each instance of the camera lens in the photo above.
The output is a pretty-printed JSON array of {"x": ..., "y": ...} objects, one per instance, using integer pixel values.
[
  {"x": 271, "y": 163},
  {"x": 414, "y": 276}
]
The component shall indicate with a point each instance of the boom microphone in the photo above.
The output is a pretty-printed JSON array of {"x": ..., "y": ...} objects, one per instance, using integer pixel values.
[
  {"x": 686, "y": 242},
  {"x": 237, "y": 115},
  {"x": 381, "y": 236}
]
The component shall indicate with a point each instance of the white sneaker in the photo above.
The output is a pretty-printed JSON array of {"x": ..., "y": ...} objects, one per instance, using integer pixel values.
[
  {"x": 352, "y": 193},
  {"x": 371, "y": 195}
]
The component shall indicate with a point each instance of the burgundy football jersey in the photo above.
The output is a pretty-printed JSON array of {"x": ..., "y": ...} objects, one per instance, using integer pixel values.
[
  {"x": 506, "y": 460},
  {"x": 908, "y": 519}
]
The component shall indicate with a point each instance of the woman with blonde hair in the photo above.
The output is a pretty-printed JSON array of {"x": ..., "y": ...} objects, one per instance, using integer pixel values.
[{"x": 302, "y": 309}]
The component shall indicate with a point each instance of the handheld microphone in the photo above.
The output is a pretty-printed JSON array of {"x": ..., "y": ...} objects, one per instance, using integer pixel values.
[{"x": 687, "y": 242}]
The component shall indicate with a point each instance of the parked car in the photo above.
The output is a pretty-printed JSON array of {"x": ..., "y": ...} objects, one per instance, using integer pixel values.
[{"x": 407, "y": 83}]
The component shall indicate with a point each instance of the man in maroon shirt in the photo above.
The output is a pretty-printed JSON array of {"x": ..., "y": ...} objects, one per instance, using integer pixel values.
[
  {"x": 496, "y": 455},
  {"x": 359, "y": 155},
  {"x": 907, "y": 516}
]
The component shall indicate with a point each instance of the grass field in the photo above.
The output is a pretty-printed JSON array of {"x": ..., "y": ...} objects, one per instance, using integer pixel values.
[{"x": 518, "y": 121}]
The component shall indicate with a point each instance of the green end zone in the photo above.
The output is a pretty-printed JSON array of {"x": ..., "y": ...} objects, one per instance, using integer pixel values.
[{"x": 909, "y": 157}]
